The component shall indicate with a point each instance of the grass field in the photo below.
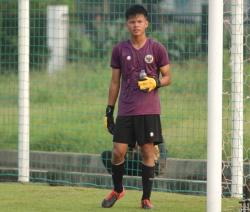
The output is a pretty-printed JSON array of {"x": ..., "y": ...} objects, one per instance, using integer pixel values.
[
  {"x": 67, "y": 110},
  {"x": 42, "y": 198}
]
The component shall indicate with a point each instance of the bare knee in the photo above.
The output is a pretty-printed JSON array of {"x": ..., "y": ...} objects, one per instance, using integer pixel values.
[{"x": 119, "y": 152}]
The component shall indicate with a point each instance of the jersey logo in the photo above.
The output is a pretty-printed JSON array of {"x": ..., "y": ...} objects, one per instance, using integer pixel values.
[
  {"x": 149, "y": 58},
  {"x": 128, "y": 57}
]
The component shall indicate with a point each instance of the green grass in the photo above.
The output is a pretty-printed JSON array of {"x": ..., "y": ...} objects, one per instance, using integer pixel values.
[
  {"x": 67, "y": 110},
  {"x": 42, "y": 198}
]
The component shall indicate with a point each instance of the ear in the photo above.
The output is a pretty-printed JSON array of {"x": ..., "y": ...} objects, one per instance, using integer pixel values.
[{"x": 147, "y": 23}]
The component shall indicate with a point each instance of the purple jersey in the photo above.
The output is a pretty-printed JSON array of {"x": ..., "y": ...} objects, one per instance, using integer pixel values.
[{"x": 130, "y": 61}]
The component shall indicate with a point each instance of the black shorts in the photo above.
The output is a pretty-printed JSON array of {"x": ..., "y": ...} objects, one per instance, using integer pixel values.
[{"x": 139, "y": 130}]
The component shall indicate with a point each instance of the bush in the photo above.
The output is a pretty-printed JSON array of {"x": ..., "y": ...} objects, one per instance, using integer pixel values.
[
  {"x": 80, "y": 45},
  {"x": 9, "y": 38},
  {"x": 183, "y": 43}
]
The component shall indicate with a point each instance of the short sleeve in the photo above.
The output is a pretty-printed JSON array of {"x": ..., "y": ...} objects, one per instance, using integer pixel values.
[
  {"x": 162, "y": 55},
  {"x": 115, "y": 58}
]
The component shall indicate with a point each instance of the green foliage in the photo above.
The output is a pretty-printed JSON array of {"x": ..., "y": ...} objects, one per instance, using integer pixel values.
[
  {"x": 107, "y": 35},
  {"x": 92, "y": 32},
  {"x": 39, "y": 52},
  {"x": 183, "y": 43},
  {"x": 9, "y": 37},
  {"x": 80, "y": 45}
]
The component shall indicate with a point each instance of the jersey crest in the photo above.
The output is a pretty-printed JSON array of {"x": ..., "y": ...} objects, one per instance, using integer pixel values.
[{"x": 149, "y": 58}]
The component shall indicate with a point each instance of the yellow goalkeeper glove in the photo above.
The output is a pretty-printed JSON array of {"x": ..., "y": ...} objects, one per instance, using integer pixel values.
[{"x": 149, "y": 84}]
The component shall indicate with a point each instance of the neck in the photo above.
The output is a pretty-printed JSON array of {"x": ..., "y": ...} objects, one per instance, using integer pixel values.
[{"x": 138, "y": 41}]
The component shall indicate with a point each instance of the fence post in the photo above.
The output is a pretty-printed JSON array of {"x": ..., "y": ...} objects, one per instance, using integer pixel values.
[{"x": 57, "y": 33}]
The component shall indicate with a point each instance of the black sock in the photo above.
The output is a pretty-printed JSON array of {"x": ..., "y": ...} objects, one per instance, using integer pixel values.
[
  {"x": 117, "y": 175},
  {"x": 147, "y": 180}
]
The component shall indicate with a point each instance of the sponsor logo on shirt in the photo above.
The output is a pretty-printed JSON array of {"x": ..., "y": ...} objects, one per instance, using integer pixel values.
[{"x": 149, "y": 58}]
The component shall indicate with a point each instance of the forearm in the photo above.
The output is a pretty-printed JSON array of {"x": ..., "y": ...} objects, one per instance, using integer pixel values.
[
  {"x": 165, "y": 81},
  {"x": 113, "y": 93},
  {"x": 166, "y": 76}
]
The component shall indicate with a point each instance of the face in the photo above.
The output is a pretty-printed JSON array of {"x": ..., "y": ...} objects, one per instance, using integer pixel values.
[{"x": 137, "y": 25}]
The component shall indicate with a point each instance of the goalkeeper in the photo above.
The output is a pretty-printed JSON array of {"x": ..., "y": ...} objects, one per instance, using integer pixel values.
[{"x": 140, "y": 67}]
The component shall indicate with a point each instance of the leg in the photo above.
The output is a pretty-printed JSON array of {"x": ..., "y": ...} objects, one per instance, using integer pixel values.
[
  {"x": 148, "y": 132},
  {"x": 119, "y": 152},
  {"x": 118, "y": 155},
  {"x": 123, "y": 132},
  {"x": 148, "y": 166},
  {"x": 148, "y": 154}
]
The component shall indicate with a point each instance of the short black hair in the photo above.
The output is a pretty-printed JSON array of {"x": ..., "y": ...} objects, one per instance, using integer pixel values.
[{"x": 136, "y": 9}]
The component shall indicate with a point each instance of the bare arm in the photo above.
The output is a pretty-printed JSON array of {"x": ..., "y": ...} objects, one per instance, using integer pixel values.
[
  {"x": 114, "y": 87},
  {"x": 166, "y": 75}
]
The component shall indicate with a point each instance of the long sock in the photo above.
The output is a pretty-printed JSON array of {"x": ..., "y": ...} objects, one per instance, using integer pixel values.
[
  {"x": 117, "y": 175},
  {"x": 147, "y": 181}
]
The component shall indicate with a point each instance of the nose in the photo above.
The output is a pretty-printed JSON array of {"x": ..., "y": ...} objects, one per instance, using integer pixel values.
[{"x": 137, "y": 24}]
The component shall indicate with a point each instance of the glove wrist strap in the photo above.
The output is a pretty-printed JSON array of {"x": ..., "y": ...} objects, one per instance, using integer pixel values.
[
  {"x": 110, "y": 110},
  {"x": 158, "y": 82}
]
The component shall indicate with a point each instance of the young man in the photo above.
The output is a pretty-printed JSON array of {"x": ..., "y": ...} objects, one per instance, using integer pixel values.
[{"x": 138, "y": 120}]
